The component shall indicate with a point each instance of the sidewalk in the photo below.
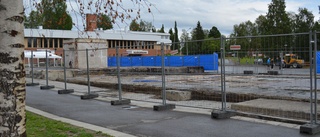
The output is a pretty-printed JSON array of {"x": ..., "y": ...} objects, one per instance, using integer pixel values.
[{"x": 140, "y": 120}]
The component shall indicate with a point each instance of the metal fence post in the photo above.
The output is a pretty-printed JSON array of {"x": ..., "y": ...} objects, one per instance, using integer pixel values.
[
  {"x": 65, "y": 90},
  {"x": 313, "y": 127},
  {"x": 164, "y": 105},
  {"x": 32, "y": 74},
  {"x": 120, "y": 101},
  {"x": 311, "y": 79},
  {"x": 315, "y": 78},
  {"x": 163, "y": 77},
  {"x": 223, "y": 76},
  {"x": 89, "y": 95},
  {"x": 88, "y": 71},
  {"x": 47, "y": 75},
  {"x": 223, "y": 112},
  {"x": 118, "y": 73}
]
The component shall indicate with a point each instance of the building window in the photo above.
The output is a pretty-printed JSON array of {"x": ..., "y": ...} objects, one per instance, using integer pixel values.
[
  {"x": 130, "y": 44},
  {"x": 56, "y": 43},
  {"x": 109, "y": 44},
  {"x": 45, "y": 43},
  {"x": 50, "y": 43},
  {"x": 34, "y": 41},
  {"x": 29, "y": 42},
  {"x": 121, "y": 44},
  {"x": 61, "y": 43}
]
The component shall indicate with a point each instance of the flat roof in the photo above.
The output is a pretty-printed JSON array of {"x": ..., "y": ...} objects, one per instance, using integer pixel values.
[{"x": 98, "y": 34}]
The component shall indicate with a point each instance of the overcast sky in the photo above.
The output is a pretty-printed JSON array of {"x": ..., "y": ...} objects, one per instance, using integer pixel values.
[{"x": 220, "y": 13}]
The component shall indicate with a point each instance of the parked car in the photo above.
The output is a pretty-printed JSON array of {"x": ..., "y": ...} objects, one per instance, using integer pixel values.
[{"x": 258, "y": 61}]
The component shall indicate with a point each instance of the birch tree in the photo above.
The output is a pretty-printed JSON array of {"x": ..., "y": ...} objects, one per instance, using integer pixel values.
[{"x": 12, "y": 73}]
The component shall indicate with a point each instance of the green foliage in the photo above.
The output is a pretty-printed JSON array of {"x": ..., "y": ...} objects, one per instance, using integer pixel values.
[
  {"x": 214, "y": 33},
  {"x": 161, "y": 30},
  {"x": 185, "y": 39},
  {"x": 38, "y": 126},
  {"x": 176, "y": 44},
  {"x": 261, "y": 22},
  {"x": 316, "y": 26},
  {"x": 145, "y": 26},
  {"x": 197, "y": 34},
  {"x": 171, "y": 34},
  {"x": 277, "y": 18},
  {"x": 54, "y": 14},
  {"x": 33, "y": 20},
  {"x": 303, "y": 21},
  {"x": 209, "y": 46},
  {"x": 154, "y": 29},
  {"x": 142, "y": 26},
  {"x": 245, "y": 29},
  {"x": 276, "y": 21},
  {"x": 51, "y": 14},
  {"x": 134, "y": 26},
  {"x": 246, "y": 61},
  {"x": 243, "y": 60},
  {"x": 104, "y": 22}
]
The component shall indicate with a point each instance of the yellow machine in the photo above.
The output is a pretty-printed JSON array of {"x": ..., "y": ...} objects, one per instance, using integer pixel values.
[{"x": 292, "y": 60}]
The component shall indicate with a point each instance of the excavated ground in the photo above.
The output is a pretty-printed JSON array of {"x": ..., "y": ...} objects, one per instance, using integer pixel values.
[{"x": 204, "y": 86}]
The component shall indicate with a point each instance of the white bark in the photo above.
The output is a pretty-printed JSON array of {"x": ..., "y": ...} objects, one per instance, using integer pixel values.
[{"x": 12, "y": 73}]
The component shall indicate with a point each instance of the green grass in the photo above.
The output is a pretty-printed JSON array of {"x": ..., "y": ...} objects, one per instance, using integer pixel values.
[
  {"x": 39, "y": 126},
  {"x": 243, "y": 60}
]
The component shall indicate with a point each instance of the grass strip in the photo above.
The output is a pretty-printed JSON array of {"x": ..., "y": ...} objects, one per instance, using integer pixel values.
[{"x": 39, "y": 126}]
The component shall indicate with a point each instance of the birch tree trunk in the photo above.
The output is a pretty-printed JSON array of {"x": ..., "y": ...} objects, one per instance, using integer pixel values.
[{"x": 12, "y": 73}]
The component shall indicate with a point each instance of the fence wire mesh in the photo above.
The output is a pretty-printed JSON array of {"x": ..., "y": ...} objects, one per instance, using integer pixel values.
[{"x": 272, "y": 75}]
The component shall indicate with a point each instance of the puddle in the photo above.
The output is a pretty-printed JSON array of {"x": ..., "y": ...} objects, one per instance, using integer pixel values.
[
  {"x": 130, "y": 107},
  {"x": 145, "y": 80}
]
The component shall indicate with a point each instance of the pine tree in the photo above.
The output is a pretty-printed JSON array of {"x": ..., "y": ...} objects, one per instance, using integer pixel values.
[
  {"x": 161, "y": 30},
  {"x": 176, "y": 38},
  {"x": 197, "y": 34}
]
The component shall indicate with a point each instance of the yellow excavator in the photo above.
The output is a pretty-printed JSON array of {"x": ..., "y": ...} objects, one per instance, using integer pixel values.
[{"x": 292, "y": 60}]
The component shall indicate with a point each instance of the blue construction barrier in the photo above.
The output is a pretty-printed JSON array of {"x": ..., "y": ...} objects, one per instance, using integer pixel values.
[{"x": 208, "y": 62}]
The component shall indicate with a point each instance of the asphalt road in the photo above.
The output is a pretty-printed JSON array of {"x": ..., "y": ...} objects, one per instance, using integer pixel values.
[{"x": 146, "y": 122}]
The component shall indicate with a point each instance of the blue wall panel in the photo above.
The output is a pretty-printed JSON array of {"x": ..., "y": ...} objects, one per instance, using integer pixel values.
[
  {"x": 125, "y": 61},
  {"x": 136, "y": 61},
  {"x": 149, "y": 61},
  {"x": 209, "y": 62},
  {"x": 176, "y": 61}
]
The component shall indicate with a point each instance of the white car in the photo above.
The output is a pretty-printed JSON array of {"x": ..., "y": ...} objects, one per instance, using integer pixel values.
[{"x": 258, "y": 61}]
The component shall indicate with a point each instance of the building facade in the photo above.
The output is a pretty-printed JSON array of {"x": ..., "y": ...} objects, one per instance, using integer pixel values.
[{"x": 127, "y": 41}]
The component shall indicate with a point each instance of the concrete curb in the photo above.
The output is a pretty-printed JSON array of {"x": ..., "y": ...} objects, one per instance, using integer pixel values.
[{"x": 79, "y": 124}]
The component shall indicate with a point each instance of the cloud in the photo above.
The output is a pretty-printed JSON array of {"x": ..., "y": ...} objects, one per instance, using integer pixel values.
[
  {"x": 220, "y": 13},
  {"x": 223, "y": 14}
]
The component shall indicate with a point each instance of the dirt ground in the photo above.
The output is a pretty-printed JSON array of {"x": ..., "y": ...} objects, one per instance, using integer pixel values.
[{"x": 208, "y": 87}]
